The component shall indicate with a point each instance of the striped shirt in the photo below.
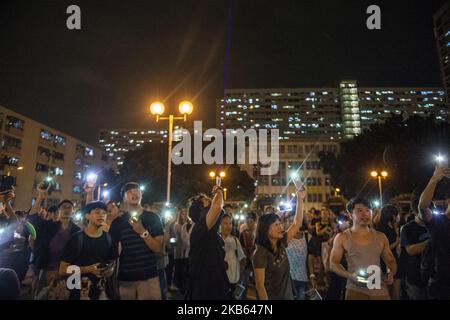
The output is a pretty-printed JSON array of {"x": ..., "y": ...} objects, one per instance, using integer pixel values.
[{"x": 137, "y": 262}]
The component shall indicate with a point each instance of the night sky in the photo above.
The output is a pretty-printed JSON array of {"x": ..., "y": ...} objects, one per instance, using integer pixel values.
[{"x": 129, "y": 53}]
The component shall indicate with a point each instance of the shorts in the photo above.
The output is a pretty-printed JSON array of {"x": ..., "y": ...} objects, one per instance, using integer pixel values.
[
  {"x": 140, "y": 290},
  {"x": 315, "y": 247}
]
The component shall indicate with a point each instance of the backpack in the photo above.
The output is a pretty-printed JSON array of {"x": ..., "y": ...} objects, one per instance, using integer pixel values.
[{"x": 112, "y": 285}]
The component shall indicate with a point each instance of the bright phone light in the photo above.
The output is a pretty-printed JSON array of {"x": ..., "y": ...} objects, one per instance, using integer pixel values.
[{"x": 167, "y": 214}]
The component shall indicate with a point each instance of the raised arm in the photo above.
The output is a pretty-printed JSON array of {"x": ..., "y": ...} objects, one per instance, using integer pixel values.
[
  {"x": 298, "y": 219},
  {"x": 41, "y": 195},
  {"x": 215, "y": 209},
  {"x": 427, "y": 195},
  {"x": 89, "y": 191}
]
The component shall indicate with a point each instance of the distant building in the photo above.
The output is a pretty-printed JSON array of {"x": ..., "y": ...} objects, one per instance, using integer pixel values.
[
  {"x": 325, "y": 113},
  {"x": 441, "y": 21},
  {"x": 117, "y": 142},
  {"x": 31, "y": 151},
  {"x": 299, "y": 157}
]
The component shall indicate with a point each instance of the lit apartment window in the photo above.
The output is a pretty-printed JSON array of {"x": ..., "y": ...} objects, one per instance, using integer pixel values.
[
  {"x": 12, "y": 161},
  {"x": 13, "y": 122},
  {"x": 60, "y": 140},
  {"x": 46, "y": 135},
  {"x": 78, "y": 175},
  {"x": 89, "y": 152},
  {"x": 76, "y": 189},
  {"x": 58, "y": 171}
]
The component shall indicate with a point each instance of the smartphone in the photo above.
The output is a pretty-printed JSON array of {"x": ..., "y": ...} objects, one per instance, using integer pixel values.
[
  {"x": 46, "y": 182},
  {"x": 362, "y": 276},
  {"x": 134, "y": 217},
  {"x": 443, "y": 164},
  {"x": 6, "y": 184},
  {"x": 91, "y": 179},
  {"x": 173, "y": 240},
  {"x": 218, "y": 181}
]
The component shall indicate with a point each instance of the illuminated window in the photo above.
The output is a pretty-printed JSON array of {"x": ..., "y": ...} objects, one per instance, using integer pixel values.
[
  {"x": 46, "y": 135},
  {"x": 61, "y": 140},
  {"x": 58, "y": 171},
  {"x": 89, "y": 152}
]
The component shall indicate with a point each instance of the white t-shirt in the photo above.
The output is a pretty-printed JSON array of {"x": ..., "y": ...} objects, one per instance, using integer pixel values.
[{"x": 233, "y": 255}]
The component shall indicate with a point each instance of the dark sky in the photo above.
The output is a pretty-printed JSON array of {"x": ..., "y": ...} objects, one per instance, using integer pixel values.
[{"x": 131, "y": 52}]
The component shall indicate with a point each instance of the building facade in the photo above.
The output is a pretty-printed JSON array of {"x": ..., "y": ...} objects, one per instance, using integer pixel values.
[
  {"x": 31, "y": 151},
  {"x": 325, "y": 113},
  {"x": 298, "y": 162},
  {"x": 441, "y": 21},
  {"x": 117, "y": 142}
]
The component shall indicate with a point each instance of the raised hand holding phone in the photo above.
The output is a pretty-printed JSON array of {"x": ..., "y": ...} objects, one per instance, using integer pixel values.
[{"x": 91, "y": 180}]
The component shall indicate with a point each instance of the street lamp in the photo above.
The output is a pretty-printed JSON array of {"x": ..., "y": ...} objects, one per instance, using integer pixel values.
[
  {"x": 157, "y": 109},
  {"x": 218, "y": 177},
  {"x": 378, "y": 175},
  {"x": 225, "y": 194},
  {"x": 99, "y": 190},
  {"x": 336, "y": 192}
]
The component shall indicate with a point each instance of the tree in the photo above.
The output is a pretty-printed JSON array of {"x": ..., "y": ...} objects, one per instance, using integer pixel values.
[
  {"x": 406, "y": 149},
  {"x": 148, "y": 165}
]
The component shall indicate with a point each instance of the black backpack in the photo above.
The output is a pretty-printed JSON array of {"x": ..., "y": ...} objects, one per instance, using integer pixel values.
[{"x": 112, "y": 286}]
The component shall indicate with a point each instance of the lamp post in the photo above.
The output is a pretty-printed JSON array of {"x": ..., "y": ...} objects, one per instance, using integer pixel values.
[
  {"x": 157, "y": 109},
  {"x": 218, "y": 177},
  {"x": 100, "y": 189},
  {"x": 378, "y": 175},
  {"x": 336, "y": 192}
]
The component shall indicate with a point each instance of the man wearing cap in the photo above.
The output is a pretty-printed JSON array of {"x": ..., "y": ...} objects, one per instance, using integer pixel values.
[
  {"x": 51, "y": 239},
  {"x": 140, "y": 234},
  {"x": 92, "y": 250},
  {"x": 52, "y": 213}
]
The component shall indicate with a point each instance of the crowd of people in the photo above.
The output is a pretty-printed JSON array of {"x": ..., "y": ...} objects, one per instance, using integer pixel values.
[{"x": 129, "y": 251}]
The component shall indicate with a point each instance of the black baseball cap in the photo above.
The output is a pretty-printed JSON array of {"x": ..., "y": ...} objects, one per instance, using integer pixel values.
[
  {"x": 128, "y": 186},
  {"x": 94, "y": 205},
  {"x": 52, "y": 209}
]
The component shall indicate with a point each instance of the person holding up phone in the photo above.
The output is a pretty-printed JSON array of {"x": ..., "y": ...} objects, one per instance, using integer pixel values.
[
  {"x": 93, "y": 250},
  {"x": 438, "y": 226},
  {"x": 52, "y": 236},
  {"x": 208, "y": 279},
  {"x": 270, "y": 261},
  {"x": 140, "y": 234}
]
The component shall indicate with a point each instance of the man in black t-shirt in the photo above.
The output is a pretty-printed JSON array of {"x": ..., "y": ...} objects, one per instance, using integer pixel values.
[
  {"x": 140, "y": 234},
  {"x": 438, "y": 226},
  {"x": 414, "y": 237},
  {"x": 208, "y": 278},
  {"x": 92, "y": 250}
]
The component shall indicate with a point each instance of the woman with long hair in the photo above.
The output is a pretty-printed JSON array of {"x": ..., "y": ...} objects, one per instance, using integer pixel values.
[
  {"x": 270, "y": 261},
  {"x": 388, "y": 225}
]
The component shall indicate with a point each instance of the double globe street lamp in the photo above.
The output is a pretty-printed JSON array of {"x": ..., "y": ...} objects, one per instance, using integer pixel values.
[
  {"x": 378, "y": 175},
  {"x": 157, "y": 109}
]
